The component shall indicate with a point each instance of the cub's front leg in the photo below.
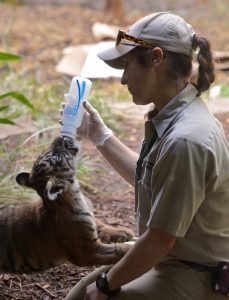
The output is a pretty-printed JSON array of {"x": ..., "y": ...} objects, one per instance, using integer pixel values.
[
  {"x": 86, "y": 249},
  {"x": 108, "y": 234},
  {"x": 106, "y": 254}
]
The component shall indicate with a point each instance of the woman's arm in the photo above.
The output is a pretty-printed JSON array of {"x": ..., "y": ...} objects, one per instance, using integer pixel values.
[
  {"x": 151, "y": 247},
  {"x": 122, "y": 158},
  {"x": 117, "y": 154}
]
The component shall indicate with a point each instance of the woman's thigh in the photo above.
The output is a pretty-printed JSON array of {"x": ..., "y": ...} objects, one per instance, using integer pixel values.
[{"x": 171, "y": 280}]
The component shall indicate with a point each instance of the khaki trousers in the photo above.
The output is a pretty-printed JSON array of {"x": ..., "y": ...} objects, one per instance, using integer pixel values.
[{"x": 171, "y": 280}]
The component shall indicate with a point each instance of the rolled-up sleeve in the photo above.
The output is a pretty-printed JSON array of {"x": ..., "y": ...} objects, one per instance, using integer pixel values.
[{"x": 179, "y": 180}]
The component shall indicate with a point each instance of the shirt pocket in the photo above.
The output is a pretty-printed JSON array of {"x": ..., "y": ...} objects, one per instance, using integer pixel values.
[{"x": 147, "y": 174}]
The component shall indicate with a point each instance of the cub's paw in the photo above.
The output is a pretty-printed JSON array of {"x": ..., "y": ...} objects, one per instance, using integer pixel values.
[
  {"x": 121, "y": 249},
  {"x": 115, "y": 235}
]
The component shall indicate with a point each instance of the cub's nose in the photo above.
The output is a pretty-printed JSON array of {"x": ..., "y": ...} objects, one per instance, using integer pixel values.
[{"x": 74, "y": 149}]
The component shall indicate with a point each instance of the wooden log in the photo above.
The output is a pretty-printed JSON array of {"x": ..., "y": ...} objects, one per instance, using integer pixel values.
[{"x": 221, "y": 60}]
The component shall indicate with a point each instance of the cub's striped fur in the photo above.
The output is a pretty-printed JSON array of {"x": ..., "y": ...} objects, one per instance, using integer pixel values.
[{"x": 60, "y": 226}]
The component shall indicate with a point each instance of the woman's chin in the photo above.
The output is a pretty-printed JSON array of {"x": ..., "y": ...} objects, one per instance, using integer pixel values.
[
  {"x": 136, "y": 100},
  {"x": 139, "y": 101}
]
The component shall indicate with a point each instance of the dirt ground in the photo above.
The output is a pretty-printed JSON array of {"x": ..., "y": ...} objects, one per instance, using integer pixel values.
[{"x": 34, "y": 36}]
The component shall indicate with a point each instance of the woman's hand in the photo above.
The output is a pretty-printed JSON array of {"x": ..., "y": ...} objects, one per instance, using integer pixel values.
[
  {"x": 92, "y": 127},
  {"x": 92, "y": 293}
]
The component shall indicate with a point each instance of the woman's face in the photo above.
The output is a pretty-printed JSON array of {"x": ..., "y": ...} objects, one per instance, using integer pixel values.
[{"x": 140, "y": 80}]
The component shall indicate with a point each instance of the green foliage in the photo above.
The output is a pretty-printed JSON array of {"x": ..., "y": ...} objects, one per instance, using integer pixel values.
[
  {"x": 45, "y": 98},
  {"x": 6, "y": 121},
  {"x": 19, "y": 97},
  {"x": 9, "y": 57},
  {"x": 13, "y": 2},
  {"x": 224, "y": 90},
  {"x": 86, "y": 169},
  {"x": 12, "y": 94}
]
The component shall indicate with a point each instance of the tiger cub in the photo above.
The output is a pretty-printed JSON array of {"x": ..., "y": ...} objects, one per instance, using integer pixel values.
[{"x": 60, "y": 226}]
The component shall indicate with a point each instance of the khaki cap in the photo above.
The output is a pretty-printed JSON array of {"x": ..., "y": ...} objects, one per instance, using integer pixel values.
[{"x": 164, "y": 29}]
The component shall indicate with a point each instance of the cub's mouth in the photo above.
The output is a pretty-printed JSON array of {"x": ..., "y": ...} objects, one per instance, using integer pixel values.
[
  {"x": 70, "y": 144},
  {"x": 65, "y": 144}
]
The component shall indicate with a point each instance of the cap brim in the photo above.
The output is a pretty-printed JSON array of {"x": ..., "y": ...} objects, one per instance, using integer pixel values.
[{"x": 114, "y": 56}]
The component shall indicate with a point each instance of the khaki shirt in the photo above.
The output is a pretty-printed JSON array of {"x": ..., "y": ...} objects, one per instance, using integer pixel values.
[{"x": 183, "y": 187}]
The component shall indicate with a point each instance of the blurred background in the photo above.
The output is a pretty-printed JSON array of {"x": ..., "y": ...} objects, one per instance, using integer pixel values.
[{"x": 52, "y": 40}]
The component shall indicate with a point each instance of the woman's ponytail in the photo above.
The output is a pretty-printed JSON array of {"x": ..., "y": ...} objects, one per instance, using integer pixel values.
[{"x": 206, "y": 73}]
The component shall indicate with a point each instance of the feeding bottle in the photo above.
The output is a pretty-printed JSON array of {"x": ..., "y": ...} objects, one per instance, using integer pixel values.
[{"x": 79, "y": 91}]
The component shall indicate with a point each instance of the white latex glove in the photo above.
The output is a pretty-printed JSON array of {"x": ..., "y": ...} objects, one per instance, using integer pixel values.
[{"x": 92, "y": 127}]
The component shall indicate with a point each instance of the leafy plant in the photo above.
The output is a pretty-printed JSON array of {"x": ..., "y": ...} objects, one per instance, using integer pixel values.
[
  {"x": 9, "y": 57},
  {"x": 12, "y": 94},
  {"x": 224, "y": 90}
]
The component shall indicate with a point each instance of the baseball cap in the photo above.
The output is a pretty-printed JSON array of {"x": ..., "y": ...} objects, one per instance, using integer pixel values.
[{"x": 164, "y": 29}]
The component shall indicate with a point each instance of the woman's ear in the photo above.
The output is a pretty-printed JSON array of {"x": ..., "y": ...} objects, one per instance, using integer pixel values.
[{"x": 157, "y": 56}]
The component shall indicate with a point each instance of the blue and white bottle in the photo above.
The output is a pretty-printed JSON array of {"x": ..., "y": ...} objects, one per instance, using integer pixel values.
[{"x": 73, "y": 111}]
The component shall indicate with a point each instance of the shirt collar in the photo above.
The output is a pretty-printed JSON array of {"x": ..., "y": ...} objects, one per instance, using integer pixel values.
[{"x": 165, "y": 117}]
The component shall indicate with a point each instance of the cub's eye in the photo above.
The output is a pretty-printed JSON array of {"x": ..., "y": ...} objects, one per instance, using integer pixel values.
[{"x": 66, "y": 143}]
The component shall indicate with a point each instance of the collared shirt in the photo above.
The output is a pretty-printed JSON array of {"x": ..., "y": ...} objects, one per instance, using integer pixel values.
[{"x": 183, "y": 185}]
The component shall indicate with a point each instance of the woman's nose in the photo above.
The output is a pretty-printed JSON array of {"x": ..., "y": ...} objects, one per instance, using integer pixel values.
[{"x": 123, "y": 79}]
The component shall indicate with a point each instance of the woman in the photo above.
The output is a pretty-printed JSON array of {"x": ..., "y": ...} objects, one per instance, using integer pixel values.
[{"x": 181, "y": 176}]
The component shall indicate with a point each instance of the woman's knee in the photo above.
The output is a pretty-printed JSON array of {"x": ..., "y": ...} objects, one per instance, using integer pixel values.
[{"x": 78, "y": 291}]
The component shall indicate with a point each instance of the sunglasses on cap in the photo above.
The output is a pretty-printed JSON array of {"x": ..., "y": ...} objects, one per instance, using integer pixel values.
[{"x": 122, "y": 35}]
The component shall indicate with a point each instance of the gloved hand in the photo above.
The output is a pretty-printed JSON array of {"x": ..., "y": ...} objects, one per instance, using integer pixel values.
[{"x": 92, "y": 126}]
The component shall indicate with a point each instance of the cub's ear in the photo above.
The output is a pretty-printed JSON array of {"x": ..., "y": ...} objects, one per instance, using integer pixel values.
[
  {"x": 23, "y": 179},
  {"x": 54, "y": 188}
]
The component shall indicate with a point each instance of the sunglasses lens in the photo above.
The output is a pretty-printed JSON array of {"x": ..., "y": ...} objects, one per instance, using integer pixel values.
[
  {"x": 119, "y": 37},
  {"x": 122, "y": 35}
]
